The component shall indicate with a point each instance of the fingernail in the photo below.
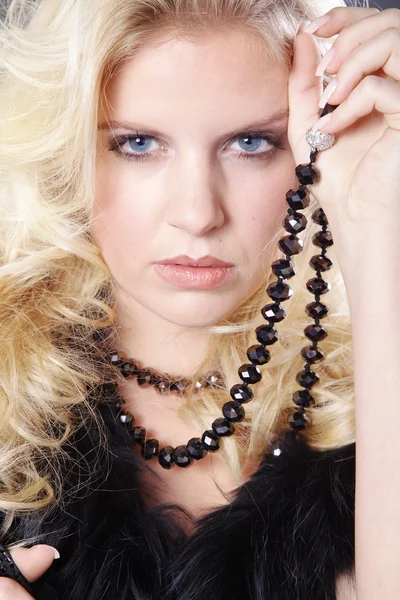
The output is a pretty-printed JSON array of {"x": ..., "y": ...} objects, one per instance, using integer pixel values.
[
  {"x": 56, "y": 552},
  {"x": 322, "y": 122},
  {"x": 317, "y": 23},
  {"x": 302, "y": 25},
  {"x": 330, "y": 88},
  {"x": 325, "y": 61}
]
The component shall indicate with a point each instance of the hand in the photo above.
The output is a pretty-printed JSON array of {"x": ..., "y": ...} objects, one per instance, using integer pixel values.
[
  {"x": 32, "y": 562},
  {"x": 359, "y": 188}
]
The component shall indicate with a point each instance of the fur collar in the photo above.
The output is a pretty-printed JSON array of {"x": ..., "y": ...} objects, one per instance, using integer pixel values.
[{"x": 287, "y": 535}]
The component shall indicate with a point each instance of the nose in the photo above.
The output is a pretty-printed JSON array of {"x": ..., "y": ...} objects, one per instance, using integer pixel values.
[{"x": 196, "y": 203}]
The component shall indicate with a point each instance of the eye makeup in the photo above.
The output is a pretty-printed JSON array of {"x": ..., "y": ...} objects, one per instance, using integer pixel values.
[{"x": 273, "y": 140}]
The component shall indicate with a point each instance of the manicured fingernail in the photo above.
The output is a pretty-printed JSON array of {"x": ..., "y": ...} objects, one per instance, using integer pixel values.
[
  {"x": 302, "y": 25},
  {"x": 325, "y": 61},
  {"x": 330, "y": 88},
  {"x": 322, "y": 122},
  {"x": 55, "y": 551},
  {"x": 317, "y": 23}
]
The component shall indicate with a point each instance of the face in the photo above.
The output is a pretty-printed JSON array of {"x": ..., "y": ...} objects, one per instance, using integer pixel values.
[{"x": 197, "y": 170}]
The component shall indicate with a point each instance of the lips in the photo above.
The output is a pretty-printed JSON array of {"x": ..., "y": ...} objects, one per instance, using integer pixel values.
[{"x": 205, "y": 261}]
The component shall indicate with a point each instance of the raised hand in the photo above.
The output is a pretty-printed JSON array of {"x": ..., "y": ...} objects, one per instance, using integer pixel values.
[{"x": 359, "y": 188}]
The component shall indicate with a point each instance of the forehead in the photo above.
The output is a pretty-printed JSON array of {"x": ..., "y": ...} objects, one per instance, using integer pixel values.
[{"x": 216, "y": 73}]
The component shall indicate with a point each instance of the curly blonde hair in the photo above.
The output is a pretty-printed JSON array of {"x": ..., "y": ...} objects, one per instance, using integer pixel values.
[{"x": 56, "y": 291}]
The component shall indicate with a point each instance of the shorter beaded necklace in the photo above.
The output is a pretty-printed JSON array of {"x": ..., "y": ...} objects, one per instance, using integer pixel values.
[{"x": 196, "y": 448}]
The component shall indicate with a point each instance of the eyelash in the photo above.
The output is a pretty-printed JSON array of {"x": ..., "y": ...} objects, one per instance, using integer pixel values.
[{"x": 119, "y": 141}]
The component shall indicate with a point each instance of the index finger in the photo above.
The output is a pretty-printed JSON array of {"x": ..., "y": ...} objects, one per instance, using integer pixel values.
[{"x": 340, "y": 17}]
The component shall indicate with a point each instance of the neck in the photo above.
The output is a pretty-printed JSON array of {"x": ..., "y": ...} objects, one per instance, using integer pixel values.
[{"x": 157, "y": 343}]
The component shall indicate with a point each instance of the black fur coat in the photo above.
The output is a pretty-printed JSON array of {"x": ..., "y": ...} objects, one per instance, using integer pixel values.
[{"x": 287, "y": 535}]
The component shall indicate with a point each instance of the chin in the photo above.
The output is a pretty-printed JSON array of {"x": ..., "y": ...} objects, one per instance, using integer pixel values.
[{"x": 197, "y": 312}]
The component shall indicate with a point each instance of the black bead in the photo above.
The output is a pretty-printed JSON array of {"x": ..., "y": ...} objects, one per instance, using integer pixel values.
[
  {"x": 114, "y": 359},
  {"x": 222, "y": 427},
  {"x": 153, "y": 379},
  {"x": 166, "y": 457},
  {"x": 241, "y": 393},
  {"x": 249, "y": 373},
  {"x": 127, "y": 419},
  {"x": 233, "y": 411},
  {"x": 323, "y": 239},
  {"x": 320, "y": 263},
  {"x": 258, "y": 354},
  {"x": 150, "y": 448},
  {"x": 315, "y": 332},
  {"x": 295, "y": 223},
  {"x": 290, "y": 244},
  {"x": 181, "y": 456},
  {"x": 178, "y": 386},
  {"x": 303, "y": 398},
  {"x": 144, "y": 379},
  {"x": 273, "y": 312},
  {"x": 266, "y": 334},
  {"x": 97, "y": 335},
  {"x": 312, "y": 355},
  {"x": 307, "y": 378},
  {"x": 319, "y": 217},
  {"x": 125, "y": 368},
  {"x": 283, "y": 268},
  {"x": 162, "y": 387},
  {"x": 134, "y": 370},
  {"x": 298, "y": 199},
  {"x": 138, "y": 435},
  {"x": 317, "y": 310},
  {"x": 279, "y": 291},
  {"x": 210, "y": 440},
  {"x": 196, "y": 448},
  {"x": 306, "y": 174},
  {"x": 298, "y": 420},
  {"x": 317, "y": 285}
]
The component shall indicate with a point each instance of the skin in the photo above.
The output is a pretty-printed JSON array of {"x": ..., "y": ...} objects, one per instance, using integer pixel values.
[{"x": 194, "y": 195}]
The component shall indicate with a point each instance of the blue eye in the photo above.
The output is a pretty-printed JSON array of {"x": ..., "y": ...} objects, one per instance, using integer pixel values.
[
  {"x": 250, "y": 142},
  {"x": 139, "y": 145}
]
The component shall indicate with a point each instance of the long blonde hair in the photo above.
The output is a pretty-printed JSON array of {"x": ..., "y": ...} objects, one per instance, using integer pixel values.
[{"x": 55, "y": 288}]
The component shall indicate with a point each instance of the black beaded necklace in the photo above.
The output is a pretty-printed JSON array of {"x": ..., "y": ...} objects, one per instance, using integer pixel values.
[{"x": 258, "y": 354}]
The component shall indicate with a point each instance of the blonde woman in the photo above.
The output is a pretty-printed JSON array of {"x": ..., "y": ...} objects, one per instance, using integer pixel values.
[{"x": 154, "y": 435}]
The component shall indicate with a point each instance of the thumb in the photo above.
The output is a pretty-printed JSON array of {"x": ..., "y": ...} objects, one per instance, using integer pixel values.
[
  {"x": 34, "y": 562},
  {"x": 304, "y": 93}
]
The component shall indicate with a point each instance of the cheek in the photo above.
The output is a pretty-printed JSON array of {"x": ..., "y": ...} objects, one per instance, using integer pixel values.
[
  {"x": 122, "y": 212},
  {"x": 265, "y": 206}
]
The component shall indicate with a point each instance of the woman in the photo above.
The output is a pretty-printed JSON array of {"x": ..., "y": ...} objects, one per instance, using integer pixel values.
[{"x": 135, "y": 132}]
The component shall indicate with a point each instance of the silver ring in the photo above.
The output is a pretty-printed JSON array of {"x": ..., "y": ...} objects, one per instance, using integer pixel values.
[{"x": 319, "y": 140}]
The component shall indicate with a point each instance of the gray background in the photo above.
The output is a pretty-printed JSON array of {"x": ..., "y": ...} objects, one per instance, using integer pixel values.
[{"x": 385, "y": 4}]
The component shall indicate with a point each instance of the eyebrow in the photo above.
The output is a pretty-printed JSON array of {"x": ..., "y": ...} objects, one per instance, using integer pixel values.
[{"x": 259, "y": 124}]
